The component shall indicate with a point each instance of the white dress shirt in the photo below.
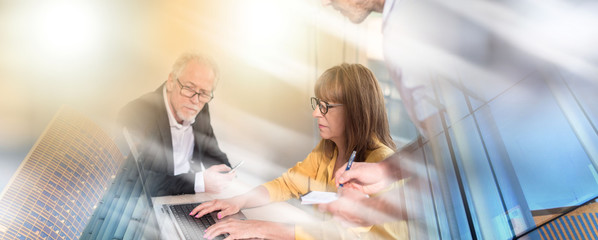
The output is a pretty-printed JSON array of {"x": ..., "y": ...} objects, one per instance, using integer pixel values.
[{"x": 182, "y": 146}]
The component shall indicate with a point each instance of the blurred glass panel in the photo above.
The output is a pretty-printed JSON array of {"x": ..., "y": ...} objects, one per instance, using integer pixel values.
[
  {"x": 548, "y": 159},
  {"x": 452, "y": 217},
  {"x": 402, "y": 129},
  {"x": 511, "y": 192},
  {"x": 487, "y": 204},
  {"x": 450, "y": 96},
  {"x": 417, "y": 197},
  {"x": 584, "y": 91},
  {"x": 577, "y": 106}
]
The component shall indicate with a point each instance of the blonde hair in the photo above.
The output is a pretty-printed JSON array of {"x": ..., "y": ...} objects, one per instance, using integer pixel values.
[{"x": 356, "y": 87}]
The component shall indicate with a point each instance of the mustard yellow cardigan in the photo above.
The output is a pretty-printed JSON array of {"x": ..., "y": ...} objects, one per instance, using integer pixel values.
[{"x": 317, "y": 172}]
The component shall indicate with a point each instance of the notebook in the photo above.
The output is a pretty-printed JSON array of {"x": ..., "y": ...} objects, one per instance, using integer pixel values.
[
  {"x": 187, "y": 227},
  {"x": 316, "y": 197}
]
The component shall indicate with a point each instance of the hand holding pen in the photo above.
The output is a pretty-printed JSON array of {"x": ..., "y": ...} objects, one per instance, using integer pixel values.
[
  {"x": 369, "y": 178},
  {"x": 351, "y": 159}
]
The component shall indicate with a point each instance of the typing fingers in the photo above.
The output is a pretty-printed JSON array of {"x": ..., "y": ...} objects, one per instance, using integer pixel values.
[
  {"x": 199, "y": 208},
  {"x": 227, "y": 211},
  {"x": 238, "y": 229},
  {"x": 219, "y": 228},
  {"x": 205, "y": 208},
  {"x": 226, "y": 208}
]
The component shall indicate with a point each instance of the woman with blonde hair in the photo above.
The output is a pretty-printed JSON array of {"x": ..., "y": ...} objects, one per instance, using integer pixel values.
[{"x": 349, "y": 108}]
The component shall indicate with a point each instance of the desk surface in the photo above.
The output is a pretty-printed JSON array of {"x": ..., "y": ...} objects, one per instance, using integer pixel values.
[{"x": 276, "y": 212}]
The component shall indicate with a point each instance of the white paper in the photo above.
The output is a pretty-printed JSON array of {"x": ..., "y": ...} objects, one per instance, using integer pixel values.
[{"x": 316, "y": 197}]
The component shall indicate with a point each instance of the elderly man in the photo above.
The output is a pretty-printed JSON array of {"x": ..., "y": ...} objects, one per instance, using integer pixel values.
[{"x": 178, "y": 149}]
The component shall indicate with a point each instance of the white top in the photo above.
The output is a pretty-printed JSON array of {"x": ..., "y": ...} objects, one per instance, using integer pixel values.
[{"x": 182, "y": 146}]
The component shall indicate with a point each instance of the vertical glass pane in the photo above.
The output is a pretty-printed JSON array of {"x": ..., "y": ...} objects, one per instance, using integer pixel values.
[
  {"x": 579, "y": 102},
  {"x": 584, "y": 91},
  {"x": 509, "y": 186},
  {"x": 416, "y": 198},
  {"x": 451, "y": 97},
  {"x": 452, "y": 219},
  {"x": 485, "y": 196}
]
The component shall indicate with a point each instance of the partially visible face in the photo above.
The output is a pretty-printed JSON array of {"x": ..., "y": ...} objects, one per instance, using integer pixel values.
[
  {"x": 332, "y": 124},
  {"x": 355, "y": 10},
  {"x": 196, "y": 76}
]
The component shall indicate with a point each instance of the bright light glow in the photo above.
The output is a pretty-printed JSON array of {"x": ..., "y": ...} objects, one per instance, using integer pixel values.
[
  {"x": 566, "y": 28},
  {"x": 261, "y": 35},
  {"x": 263, "y": 22},
  {"x": 374, "y": 39},
  {"x": 66, "y": 29}
]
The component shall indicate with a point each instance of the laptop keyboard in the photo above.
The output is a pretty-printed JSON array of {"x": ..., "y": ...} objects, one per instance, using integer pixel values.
[{"x": 192, "y": 228}]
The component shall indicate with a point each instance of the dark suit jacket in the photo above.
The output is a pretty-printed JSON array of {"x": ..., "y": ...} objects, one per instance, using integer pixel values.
[{"x": 146, "y": 119}]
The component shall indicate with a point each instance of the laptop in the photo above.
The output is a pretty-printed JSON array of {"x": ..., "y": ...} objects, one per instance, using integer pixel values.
[{"x": 187, "y": 227}]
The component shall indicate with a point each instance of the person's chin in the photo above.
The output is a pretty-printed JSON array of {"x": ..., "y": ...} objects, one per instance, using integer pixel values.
[
  {"x": 188, "y": 116},
  {"x": 357, "y": 20}
]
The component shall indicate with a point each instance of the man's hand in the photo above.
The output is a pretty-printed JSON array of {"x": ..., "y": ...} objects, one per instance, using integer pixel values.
[
  {"x": 369, "y": 178},
  {"x": 217, "y": 178}
]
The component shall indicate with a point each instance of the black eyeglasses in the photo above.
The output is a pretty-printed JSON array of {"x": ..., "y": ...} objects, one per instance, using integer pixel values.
[
  {"x": 324, "y": 106},
  {"x": 188, "y": 92}
]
